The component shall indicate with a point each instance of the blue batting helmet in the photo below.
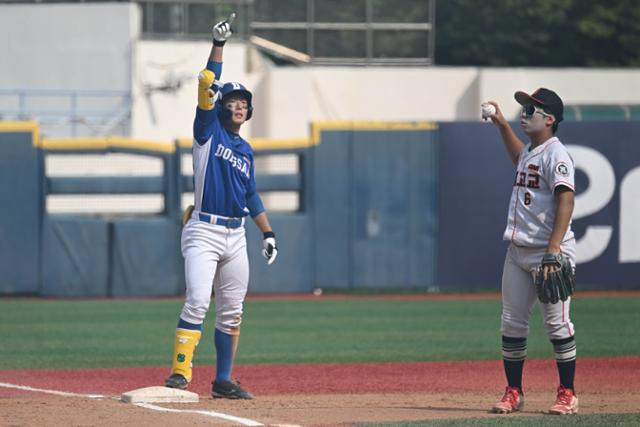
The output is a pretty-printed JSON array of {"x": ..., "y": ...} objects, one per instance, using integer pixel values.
[{"x": 234, "y": 88}]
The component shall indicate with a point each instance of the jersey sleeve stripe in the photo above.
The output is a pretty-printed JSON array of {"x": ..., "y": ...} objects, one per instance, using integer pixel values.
[{"x": 566, "y": 184}]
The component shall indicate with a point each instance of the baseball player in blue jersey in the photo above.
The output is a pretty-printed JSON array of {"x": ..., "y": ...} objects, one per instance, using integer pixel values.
[{"x": 213, "y": 237}]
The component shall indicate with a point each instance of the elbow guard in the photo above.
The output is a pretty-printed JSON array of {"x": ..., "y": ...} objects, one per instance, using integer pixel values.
[{"x": 206, "y": 96}]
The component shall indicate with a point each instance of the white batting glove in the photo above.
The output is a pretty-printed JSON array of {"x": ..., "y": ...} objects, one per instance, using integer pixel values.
[
  {"x": 269, "y": 247},
  {"x": 222, "y": 30}
]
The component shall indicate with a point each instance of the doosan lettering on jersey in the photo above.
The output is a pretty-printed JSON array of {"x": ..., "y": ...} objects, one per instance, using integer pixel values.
[
  {"x": 241, "y": 164},
  {"x": 223, "y": 177}
]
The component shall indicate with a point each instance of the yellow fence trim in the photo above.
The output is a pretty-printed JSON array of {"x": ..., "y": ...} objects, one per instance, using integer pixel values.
[
  {"x": 318, "y": 127},
  {"x": 184, "y": 142},
  {"x": 275, "y": 144},
  {"x": 23, "y": 126},
  {"x": 262, "y": 143},
  {"x": 103, "y": 143}
]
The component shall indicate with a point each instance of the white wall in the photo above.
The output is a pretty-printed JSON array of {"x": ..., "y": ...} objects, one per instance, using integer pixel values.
[
  {"x": 300, "y": 95},
  {"x": 68, "y": 46},
  {"x": 50, "y": 52},
  {"x": 165, "y": 114},
  {"x": 574, "y": 85}
]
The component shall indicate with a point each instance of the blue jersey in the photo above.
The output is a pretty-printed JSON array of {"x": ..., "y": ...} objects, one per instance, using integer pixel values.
[{"x": 223, "y": 167}]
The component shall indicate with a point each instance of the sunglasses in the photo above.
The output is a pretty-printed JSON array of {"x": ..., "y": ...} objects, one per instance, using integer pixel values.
[{"x": 528, "y": 110}]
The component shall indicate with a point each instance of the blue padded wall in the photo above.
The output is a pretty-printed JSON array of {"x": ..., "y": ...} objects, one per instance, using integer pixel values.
[
  {"x": 76, "y": 261},
  {"x": 20, "y": 220}
]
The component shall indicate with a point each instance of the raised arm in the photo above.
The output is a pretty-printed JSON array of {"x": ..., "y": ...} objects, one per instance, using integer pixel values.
[
  {"x": 204, "y": 121},
  {"x": 221, "y": 32},
  {"x": 216, "y": 52},
  {"x": 512, "y": 143}
]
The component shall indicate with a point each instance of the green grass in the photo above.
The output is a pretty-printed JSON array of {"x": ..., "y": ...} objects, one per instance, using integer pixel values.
[
  {"x": 524, "y": 421},
  {"x": 123, "y": 333}
]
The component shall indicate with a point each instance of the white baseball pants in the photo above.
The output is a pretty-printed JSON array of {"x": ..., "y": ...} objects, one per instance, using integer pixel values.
[
  {"x": 215, "y": 258},
  {"x": 519, "y": 294}
]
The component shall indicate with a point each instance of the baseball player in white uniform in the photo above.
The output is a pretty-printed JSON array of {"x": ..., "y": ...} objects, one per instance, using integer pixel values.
[
  {"x": 213, "y": 237},
  {"x": 538, "y": 223}
]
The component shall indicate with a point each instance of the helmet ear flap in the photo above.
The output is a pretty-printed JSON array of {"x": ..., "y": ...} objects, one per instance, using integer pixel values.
[{"x": 224, "y": 113}]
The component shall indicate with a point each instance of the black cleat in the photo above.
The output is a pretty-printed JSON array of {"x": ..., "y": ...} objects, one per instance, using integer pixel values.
[
  {"x": 176, "y": 381},
  {"x": 229, "y": 389}
]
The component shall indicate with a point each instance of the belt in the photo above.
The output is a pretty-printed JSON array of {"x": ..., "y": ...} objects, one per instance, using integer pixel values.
[{"x": 221, "y": 220}]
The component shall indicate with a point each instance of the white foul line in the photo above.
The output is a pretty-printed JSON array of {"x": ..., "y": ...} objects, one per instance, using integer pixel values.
[
  {"x": 58, "y": 393},
  {"x": 239, "y": 420}
]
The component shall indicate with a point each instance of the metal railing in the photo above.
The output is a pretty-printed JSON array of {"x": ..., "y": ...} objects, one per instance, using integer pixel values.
[
  {"x": 368, "y": 35},
  {"x": 332, "y": 32},
  {"x": 590, "y": 112},
  {"x": 192, "y": 19},
  {"x": 70, "y": 112}
]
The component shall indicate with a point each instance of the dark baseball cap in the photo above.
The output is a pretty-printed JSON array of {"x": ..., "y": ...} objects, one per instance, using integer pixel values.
[{"x": 545, "y": 98}]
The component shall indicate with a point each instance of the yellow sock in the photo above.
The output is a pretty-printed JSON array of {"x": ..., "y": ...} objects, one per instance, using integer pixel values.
[
  {"x": 205, "y": 94},
  {"x": 185, "y": 347}
]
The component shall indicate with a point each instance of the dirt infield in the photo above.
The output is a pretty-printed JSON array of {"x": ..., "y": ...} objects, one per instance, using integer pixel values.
[
  {"x": 291, "y": 410},
  {"x": 315, "y": 394}
]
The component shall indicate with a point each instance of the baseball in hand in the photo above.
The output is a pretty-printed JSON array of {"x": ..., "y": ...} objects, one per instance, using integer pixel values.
[{"x": 487, "y": 110}]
